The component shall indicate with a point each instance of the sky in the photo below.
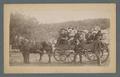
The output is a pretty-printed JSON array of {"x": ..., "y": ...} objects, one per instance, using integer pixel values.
[{"x": 56, "y": 16}]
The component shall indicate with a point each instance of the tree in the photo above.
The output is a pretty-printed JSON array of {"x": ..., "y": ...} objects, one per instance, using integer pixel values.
[{"x": 21, "y": 25}]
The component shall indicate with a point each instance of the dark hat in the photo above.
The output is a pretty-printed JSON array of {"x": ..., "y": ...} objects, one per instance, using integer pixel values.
[{"x": 62, "y": 29}]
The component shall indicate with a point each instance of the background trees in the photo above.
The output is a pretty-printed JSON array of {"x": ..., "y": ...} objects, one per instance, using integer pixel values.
[
  {"x": 21, "y": 25},
  {"x": 30, "y": 28}
]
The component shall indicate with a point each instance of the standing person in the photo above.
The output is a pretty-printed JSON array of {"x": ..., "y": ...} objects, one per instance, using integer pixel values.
[
  {"x": 97, "y": 45},
  {"x": 24, "y": 48},
  {"x": 78, "y": 47}
]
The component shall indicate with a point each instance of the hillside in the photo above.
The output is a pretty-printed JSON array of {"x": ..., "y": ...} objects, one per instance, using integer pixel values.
[
  {"x": 31, "y": 29},
  {"x": 46, "y": 31}
]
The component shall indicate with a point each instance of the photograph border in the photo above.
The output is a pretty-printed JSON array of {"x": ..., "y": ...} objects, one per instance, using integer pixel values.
[
  {"x": 58, "y": 75},
  {"x": 111, "y": 68}
]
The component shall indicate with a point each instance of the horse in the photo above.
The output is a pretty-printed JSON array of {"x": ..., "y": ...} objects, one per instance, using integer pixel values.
[
  {"x": 46, "y": 46},
  {"x": 26, "y": 47}
]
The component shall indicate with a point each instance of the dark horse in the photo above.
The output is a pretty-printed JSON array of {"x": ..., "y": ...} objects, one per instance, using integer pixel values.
[
  {"x": 45, "y": 46},
  {"x": 27, "y": 47}
]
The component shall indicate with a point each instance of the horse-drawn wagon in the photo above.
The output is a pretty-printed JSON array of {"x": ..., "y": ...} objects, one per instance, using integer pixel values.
[
  {"x": 94, "y": 51},
  {"x": 66, "y": 53}
]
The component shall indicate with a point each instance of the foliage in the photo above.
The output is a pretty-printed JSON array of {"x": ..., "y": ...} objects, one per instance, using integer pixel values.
[{"x": 30, "y": 28}]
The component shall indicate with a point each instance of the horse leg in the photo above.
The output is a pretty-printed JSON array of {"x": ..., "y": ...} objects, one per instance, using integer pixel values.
[
  {"x": 41, "y": 54},
  {"x": 80, "y": 57},
  {"x": 25, "y": 57},
  {"x": 24, "y": 60},
  {"x": 49, "y": 58}
]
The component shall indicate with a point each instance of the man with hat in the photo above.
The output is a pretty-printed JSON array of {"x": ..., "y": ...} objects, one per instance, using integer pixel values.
[
  {"x": 63, "y": 36},
  {"x": 78, "y": 48}
]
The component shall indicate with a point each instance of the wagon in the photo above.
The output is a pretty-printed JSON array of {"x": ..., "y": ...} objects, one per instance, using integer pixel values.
[
  {"x": 66, "y": 53},
  {"x": 91, "y": 54}
]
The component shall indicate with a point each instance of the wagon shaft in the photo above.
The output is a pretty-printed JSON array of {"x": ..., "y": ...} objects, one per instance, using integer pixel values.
[{"x": 65, "y": 47}]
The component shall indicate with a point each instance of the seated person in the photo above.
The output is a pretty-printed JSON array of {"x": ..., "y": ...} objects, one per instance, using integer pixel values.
[
  {"x": 98, "y": 35},
  {"x": 78, "y": 37},
  {"x": 63, "y": 37},
  {"x": 89, "y": 37},
  {"x": 71, "y": 32}
]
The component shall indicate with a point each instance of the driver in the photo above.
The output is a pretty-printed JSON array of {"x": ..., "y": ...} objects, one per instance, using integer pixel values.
[{"x": 63, "y": 36}]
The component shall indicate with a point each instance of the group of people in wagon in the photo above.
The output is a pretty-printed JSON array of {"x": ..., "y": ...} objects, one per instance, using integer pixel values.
[{"x": 70, "y": 34}]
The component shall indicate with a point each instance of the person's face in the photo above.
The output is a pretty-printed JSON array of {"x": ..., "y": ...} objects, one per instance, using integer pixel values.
[{"x": 65, "y": 31}]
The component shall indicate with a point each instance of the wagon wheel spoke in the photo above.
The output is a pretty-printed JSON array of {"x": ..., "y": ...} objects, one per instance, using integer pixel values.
[
  {"x": 69, "y": 57},
  {"x": 62, "y": 58},
  {"x": 90, "y": 56},
  {"x": 57, "y": 55}
]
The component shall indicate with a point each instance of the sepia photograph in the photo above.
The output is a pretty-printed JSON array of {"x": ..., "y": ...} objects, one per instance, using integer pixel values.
[{"x": 59, "y": 38}]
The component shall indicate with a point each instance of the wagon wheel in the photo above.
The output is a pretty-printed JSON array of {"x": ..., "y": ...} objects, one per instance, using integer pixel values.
[
  {"x": 69, "y": 56},
  {"x": 104, "y": 54},
  {"x": 90, "y": 55},
  {"x": 59, "y": 55}
]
